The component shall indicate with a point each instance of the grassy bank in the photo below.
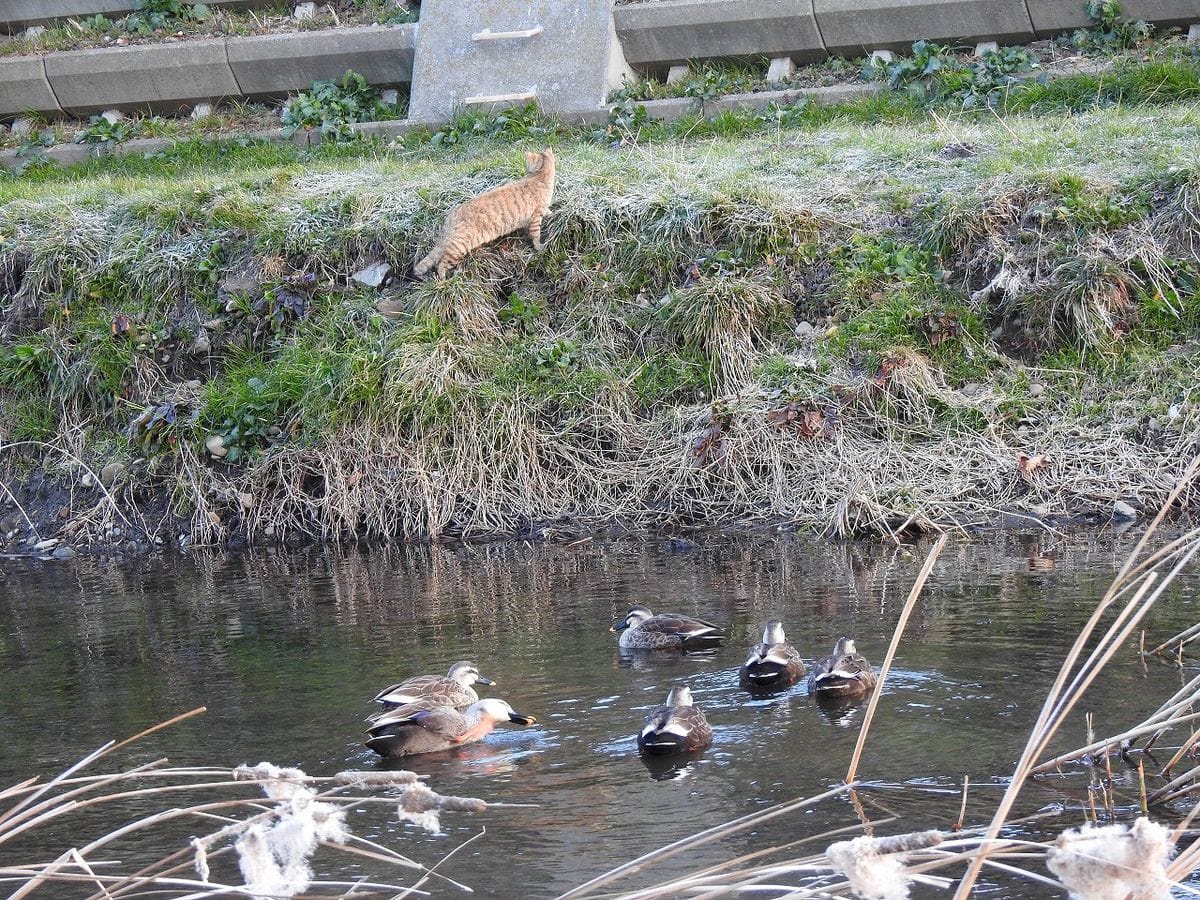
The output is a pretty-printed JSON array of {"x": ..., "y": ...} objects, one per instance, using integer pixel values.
[{"x": 868, "y": 318}]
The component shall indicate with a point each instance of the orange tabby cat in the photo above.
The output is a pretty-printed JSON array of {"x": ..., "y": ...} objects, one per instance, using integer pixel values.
[{"x": 518, "y": 204}]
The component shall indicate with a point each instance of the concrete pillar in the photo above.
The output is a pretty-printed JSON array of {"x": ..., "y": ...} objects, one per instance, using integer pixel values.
[
  {"x": 488, "y": 53},
  {"x": 780, "y": 69},
  {"x": 677, "y": 73}
]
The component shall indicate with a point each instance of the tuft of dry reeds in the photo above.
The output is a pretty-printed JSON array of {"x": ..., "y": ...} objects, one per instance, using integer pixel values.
[{"x": 270, "y": 843}]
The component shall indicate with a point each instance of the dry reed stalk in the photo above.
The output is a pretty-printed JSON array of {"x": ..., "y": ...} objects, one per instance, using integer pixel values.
[
  {"x": 897, "y": 633},
  {"x": 1058, "y": 702}
]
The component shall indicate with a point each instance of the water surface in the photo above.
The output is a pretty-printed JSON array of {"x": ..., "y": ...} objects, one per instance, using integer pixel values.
[{"x": 286, "y": 648}]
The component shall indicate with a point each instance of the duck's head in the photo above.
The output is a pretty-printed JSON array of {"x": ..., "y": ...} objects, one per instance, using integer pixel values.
[
  {"x": 681, "y": 695},
  {"x": 773, "y": 633},
  {"x": 844, "y": 647},
  {"x": 465, "y": 673},
  {"x": 499, "y": 711},
  {"x": 635, "y": 617}
]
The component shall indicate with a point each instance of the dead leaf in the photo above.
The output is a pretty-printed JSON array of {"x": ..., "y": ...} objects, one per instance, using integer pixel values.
[
  {"x": 1027, "y": 465},
  {"x": 214, "y": 518},
  {"x": 121, "y": 325}
]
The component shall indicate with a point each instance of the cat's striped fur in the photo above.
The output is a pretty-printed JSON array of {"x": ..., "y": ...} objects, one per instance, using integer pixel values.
[{"x": 517, "y": 204}]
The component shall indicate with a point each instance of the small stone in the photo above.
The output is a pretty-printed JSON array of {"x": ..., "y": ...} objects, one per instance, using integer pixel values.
[
  {"x": 202, "y": 345},
  {"x": 122, "y": 42},
  {"x": 804, "y": 329},
  {"x": 390, "y": 96},
  {"x": 304, "y": 11},
  {"x": 372, "y": 275},
  {"x": 112, "y": 116},
  {"x": 1194, "y": 34},
  {"x": 21, "y": 127},
  {"x": 985, "y": 47},
  {"x": 47, "y": 544},
  {"x": 677, "y": 73},
  {"x": 215, "y": 445},
  {"x": 247, "y": 500},
  {"x": 87, "y": 480},
  {"x": 1036, "y": 390},
  {"x": 881, "y": 56},
  {"x": 33, "y": 31},
  {"x": 391, "y": 308},
  {"x": 202, "y": 110},
  {"x": 972, "y": 389},
  {"x": 64, "y": 553},
  {"x": 1122, "y": 510},
  {"x": 112, "y": 473}
]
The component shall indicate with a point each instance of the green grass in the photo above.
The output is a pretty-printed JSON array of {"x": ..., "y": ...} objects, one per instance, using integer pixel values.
[{"x": 648, "y": 358}]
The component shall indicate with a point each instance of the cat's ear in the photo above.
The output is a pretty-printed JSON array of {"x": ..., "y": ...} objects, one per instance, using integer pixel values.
[{"x": 533, "y": 161}]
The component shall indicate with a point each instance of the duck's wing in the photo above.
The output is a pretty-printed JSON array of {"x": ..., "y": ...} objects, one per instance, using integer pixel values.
[
  {"x": 847, "y": 667},
  {"x": 444, "y": 721},
  {"x": 410, "y": 688},
  {"x": 682, "y": 626},
  {"x": 674, "y": 728}
]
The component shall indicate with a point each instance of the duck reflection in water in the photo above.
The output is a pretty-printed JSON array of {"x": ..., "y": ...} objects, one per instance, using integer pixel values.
[
  {"x": 670, "y": 766},
  {"x": 840, "y": 711}
]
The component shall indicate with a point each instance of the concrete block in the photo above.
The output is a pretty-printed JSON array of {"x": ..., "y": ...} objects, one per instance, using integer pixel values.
[
  {"x": 678, "y": 73},
  {"x": 24, "y": 87},
  {"x": 854, "y": 27},
  {"x": 672, "y": 108},
  {"x": 306, "y": 10},
  {"x": 201, "y": 110},
  {"x": 162, "y": 78},
  {"x": 390, "y": 129},
  {"x": 1194, "y": 34},
  {"x": 274, "y": 64},
  {"x": 73, "y": 154},
  {"x": 780, "y": 69},
  {"x": 18, "y": 14},
  {"x": 983, "y": 48},
  {"x": 842, "y": 93},
  {"x": 657, "y": 35},
  {"x": 486, "y": 53},
  {"x": 112, "y": 116},
  {"x": 22, "y": 127},
  {"x": 1052, "y": 17},
  {"x": 390, "y": 96},
  {"x": 882, "y": 56}
]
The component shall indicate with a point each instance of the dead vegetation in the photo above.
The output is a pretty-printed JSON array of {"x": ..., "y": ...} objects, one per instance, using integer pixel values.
[{"x": 726, "y": 332}]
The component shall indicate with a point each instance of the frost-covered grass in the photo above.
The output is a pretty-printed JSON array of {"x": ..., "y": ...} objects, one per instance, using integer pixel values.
[{"x": 861, "y": 321}]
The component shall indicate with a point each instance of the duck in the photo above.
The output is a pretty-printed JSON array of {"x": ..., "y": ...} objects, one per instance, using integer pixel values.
[
  {"x": 844, "y": 673},
  {"x": 643, "y": 630},
  {"x": 679, "y": 726},
  {"x": 454, "y": 689},
  {"x": 773, "y": 664},
  {"x": 426, "y": 727}
]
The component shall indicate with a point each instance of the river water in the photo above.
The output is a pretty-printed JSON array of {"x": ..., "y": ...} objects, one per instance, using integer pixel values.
[{"x": 286, "y": 648}]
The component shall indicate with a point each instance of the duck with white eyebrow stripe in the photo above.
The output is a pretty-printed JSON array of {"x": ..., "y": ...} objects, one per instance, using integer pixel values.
[{"x": 678, "y": 726}]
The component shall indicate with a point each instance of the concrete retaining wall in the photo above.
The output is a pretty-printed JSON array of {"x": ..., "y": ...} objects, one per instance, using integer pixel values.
[
  {"x": 18, "y": 14},
  {"x": 170, "y": 78},
  {"x": 662, "y": 33},
  {"x": 273, "y": 64},
  {"x": 667, "y": 33}
]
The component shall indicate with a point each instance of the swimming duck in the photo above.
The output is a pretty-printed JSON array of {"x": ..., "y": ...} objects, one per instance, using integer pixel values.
[
  {"x": 454, "y": 689},
  {"x": 678, "y": 726},
  {"x": 844, "y": 673},
  {"x": 642, "y": 630},
  {"x": 773, "y": 664},
  {"x": 423, "y": 727}
]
